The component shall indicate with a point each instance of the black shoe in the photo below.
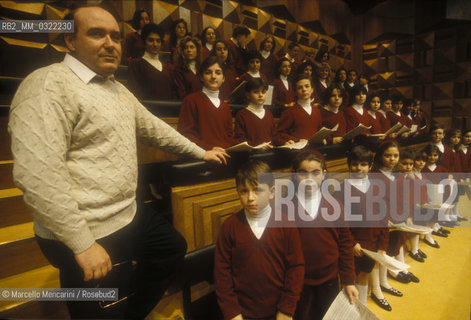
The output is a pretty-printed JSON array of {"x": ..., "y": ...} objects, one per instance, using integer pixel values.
[
  {"x": 383, "y": 303},
  {"x": 392, "y": 291},
  {"x": 460, "y": 218},
  {"x": 402, "y": 277},
  {"x": 421, "y": 253},
  {"x": 444, "y": 230},
  {"x": 435, "y": 245},
  {"x": 416, "y": 256},
  {"x": 439, "y": 234},
  {"x": 449, "y": 224},
  {"x": 412, "y": 277}
]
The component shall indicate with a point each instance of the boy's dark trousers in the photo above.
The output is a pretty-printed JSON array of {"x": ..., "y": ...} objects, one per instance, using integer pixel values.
[
  {"x": 316, "y": 300},
  {"x": 151, "y": 241}
]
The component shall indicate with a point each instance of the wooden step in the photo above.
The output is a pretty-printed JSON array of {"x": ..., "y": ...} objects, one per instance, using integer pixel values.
[
  {"x": 19, "y": 251},
  {"x": 6, "y": 174},
  {"x": 44, "y": 277},
  {"x": 14, "y": 210}
]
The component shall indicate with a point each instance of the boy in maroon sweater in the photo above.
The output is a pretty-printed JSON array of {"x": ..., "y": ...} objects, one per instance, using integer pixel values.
[
  {"x": 301, "y": 121},
  {"x": 259, "y": 269},
  {"x": 328, "y": 249},
  {"x": 204, "y": 118},
  {"x": 255, "y": 124}
]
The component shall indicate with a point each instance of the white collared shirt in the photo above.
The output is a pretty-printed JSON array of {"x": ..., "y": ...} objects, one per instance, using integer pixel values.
[
  {"x": 418, "y": 174},
  {"x": 306, "y": 105},
  {"x": 284, "y": 79},
  {"x": 440, "y": 147},
  {"x": 254, "y": 75},
  {"x": 192, "y": 66},
  {"x": 358, "y": 108},
  {"x": 81, "y": 70},
  {"x": 209, "y": 46},
  {"x": 153, "y": 60},
  {"x": 361, "y": 184},
  {"x": 213, "y": 95},
  {"x": 330, "y": 109},
  {"x": 323, "y": 82},
  {"x": 432, "y": 167},
  {"x": 257, "y": 110},
  {"x": 388, "y": 174},
  {"x": 372, "y": 113},
  {"x": 265, "y": 54},
  {"x": 310, "y": 205},
  {"x": 258, "y": 222}
]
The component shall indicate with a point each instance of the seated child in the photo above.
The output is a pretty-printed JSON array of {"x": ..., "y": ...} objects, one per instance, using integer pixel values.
[
  {"x": 302, "y": 120},
  {"x": 283, "y": 92},
  {"x": 331, "y": 257},
  {"x": 255, "y": 124},
  {"x": 356, "y": 113},
  {"x": 331, "y": 114},
  {"x": 204, "y": 118},
  {"x": 259, "y": 269}
]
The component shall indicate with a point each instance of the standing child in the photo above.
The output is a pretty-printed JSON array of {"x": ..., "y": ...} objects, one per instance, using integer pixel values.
[
  {"x": 327, "y": 248},
  {"x": 331, "y": 114},
  {"x": 258, "y": 269},
  {"x": 365, "y": 234},
  {"x": 301, "y": 121},
  {"x": 204, "y": 118},
  {"x": 420, "y": 161},
  {"x": 255, "y": 124},
  {"x": 283, "y": 93},
  {"x": 465, "y": 152},
  {"x": 185, "y": 74},
  {"x": 437, "y": 133},
  {"x": 373, "y": 104},
  {"x": 221, "y": 50}
]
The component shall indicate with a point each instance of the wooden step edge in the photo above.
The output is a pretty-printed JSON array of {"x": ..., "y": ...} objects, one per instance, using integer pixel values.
[
  {"x": 5, "y": 162},
  {"x": 17, "y": 233},
  {"x": 44, "y": 277},
  {"x": 9, "y": 193}
]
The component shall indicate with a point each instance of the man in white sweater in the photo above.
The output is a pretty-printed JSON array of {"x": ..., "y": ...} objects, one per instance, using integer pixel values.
[{"x": 74, "y": 131}]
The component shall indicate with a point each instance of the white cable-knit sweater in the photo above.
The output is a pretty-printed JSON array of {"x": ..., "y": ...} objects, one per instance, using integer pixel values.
[{"x": 75, "y": 158}]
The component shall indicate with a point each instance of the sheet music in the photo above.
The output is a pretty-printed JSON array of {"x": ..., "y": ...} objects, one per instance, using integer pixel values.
[
  {"x": 387, "y": 261},
  {"x": 298, "y": 145},
  {"x": 323, "y": 133},
  {"x": 341, "y": 309},
  {"x": 402, "y": 130},
  {"x": 245, "y": 146},
  {"x": 413, "y": 128},
  {"x": 394, "y": 128},
  {"x": 355, "y": 131},
  {"x": 412, "y": 228}
]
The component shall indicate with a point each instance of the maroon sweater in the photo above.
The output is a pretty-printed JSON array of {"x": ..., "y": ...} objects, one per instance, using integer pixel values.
[
  {"x": 268, "y": 67},
  {"x": 250, "y": 128},
  {"x": 330, "y": 120},
  {"x": 238, "y": 57},
  {"x": 353, "y": 118},
  {"x": 385, "y": 123},
  {"x": 246, "y": 77},
  {"x": 204, "y": 124},
  {"x": 376, "y": 127},
  {"x": 185, "y": 82},
  {"x": 146, "y": 82},
  {"x": 281, "y": 95},
  {"x": 402, "y": 118},
  {"x": 229, "y": 84},
  {"x": 296, "y": 124},
  {"x": 328, "y": 251},
  {"x": 465, "y": 160},
  {"x": 257, "y": 277},
  {"x": 369, "y": 237}
]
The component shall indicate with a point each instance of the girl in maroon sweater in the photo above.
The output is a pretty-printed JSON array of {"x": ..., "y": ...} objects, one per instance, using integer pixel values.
[
  {"x": 356, "y": 113},
  {"x": 255, "y": 124},
  {"x": 204, "y": 118},
  {"x": 259, "y": 267},
  {"x": 149, "y": 77},
  {"x": 185, "y": 74},
  {"x": 373, "y": 104},
  {"x": 327, "y": 247},
  {"x": 332, "y": 114},
  {"x": 269, "y": 59},
  {"x": 133, "y": 46},
  {"x": 221, "y": 50},
  {"x": 283, "y": 92},
  {"x": 395, "y": 115},
  {"x": 465, "y": 152},
  {"x": 208, "y": 39}
]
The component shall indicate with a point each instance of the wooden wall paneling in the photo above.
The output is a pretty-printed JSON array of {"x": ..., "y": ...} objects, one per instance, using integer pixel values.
[
  {"x": 218, "y": 218},
  {"x": 182, "y": 204},
  {"x": 204, "y": 208}
]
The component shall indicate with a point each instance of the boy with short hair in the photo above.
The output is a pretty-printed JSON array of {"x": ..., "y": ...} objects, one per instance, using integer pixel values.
[
  {"x": 259, "y": 269},
  {"x": 255, "y": 124},
  {"x": 237, "y": 45},
  {"x": 303, "y": 119}
]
